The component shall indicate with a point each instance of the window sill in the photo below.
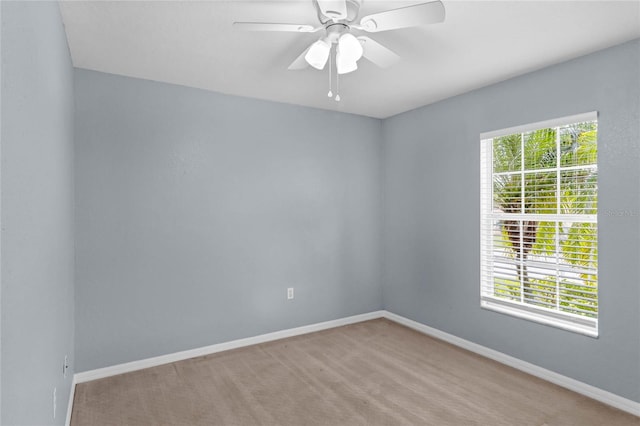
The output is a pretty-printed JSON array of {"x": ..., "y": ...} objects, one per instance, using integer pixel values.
[{"x": 585, "y": 326}]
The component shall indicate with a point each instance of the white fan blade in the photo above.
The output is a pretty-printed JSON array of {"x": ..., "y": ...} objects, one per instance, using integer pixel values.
[
  {"x": 300, "y": 63},
  {"x": 404, "y": 17},
  {"x": 377, "y": 53},
  {"x": 334, "y": 9},
  {"x": 268, "y": 26}
]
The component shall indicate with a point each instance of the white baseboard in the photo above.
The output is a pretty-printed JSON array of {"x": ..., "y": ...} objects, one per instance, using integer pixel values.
[
  {"x": 72, "y": 394},
  {"x": 566, "y": 382},
  {"x": 548, "y": 375},
  {"x": 100, "y": 373}
]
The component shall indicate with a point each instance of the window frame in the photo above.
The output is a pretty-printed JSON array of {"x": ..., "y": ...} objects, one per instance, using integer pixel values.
[{"x": 552, "y": 317}]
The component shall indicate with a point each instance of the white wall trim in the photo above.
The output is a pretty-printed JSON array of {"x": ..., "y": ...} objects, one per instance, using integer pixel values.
[
  {"x": 100, "y": 373},
  {"x": 593, "y": 392},
  {"x": 582, "y": 388},
  {"x": 72, "y": 394}
]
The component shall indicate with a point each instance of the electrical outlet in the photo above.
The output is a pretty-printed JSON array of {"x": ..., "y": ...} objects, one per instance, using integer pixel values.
[
  {"x": 290, "y": 293},
  {"x": 65, "y": 366},
  {"x": 55, "y": 402}
]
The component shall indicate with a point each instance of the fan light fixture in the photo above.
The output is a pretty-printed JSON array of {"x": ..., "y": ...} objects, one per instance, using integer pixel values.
[
  {"x": 318, "y": 54},
  {"x": 348, "y": 52}
]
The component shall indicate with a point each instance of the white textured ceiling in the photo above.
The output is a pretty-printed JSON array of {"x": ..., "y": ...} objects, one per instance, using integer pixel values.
[{"x": 192, "y": 43}]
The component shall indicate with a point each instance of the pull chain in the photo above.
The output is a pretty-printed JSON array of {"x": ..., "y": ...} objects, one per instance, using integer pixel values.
[
  {"x": 337, "y": 79},
  {"x": 330, "y": 94}
]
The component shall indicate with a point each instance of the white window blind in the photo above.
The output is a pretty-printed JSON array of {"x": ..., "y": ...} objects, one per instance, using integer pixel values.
[{"x": 539, "y": 244}]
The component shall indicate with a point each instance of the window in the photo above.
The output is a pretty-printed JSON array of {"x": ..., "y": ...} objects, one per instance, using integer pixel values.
[{"x": 539, "y": 239}]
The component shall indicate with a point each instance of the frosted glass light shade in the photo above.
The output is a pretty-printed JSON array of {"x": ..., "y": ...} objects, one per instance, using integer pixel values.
[
  {"x": 318, "y": 54},
  {"x": 350, "y": 47},
  {"x": 344, "y": 64}
]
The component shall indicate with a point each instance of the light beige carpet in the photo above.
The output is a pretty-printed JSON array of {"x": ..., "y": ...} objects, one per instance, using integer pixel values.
[{"x": 371, "y": 373}]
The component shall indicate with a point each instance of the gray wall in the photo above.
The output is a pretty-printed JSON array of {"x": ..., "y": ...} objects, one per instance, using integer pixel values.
[
  {"x": 37, "y": 213},
  {"x": 195, "y": 211},
  {"x": 431, "y": 230}
]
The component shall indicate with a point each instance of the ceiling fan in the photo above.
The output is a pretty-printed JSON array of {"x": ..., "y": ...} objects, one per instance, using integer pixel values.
[{"x": 338, "y": 19}]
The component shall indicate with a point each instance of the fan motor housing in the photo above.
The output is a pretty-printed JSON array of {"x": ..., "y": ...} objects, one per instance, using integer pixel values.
[{"x": 353, "y": 7}]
